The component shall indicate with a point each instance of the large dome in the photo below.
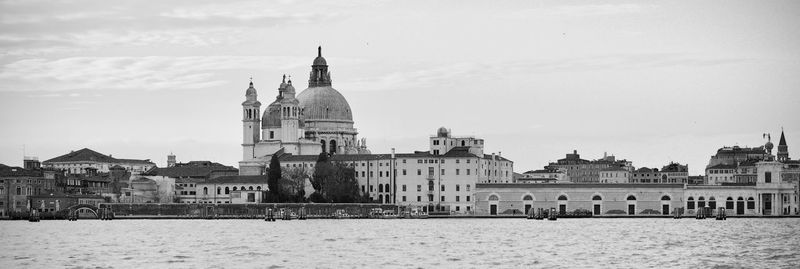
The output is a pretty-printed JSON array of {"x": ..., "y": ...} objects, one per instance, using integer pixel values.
[{"x": 324, "y": 103}]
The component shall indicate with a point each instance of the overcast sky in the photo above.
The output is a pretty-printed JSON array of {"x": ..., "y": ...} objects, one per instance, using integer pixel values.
[{"x": 648, "y": 81}]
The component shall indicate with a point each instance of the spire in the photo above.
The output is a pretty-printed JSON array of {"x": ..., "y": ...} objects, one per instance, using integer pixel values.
[
  {"x": 319, "y": 76},
  {"x": 783, "y": 139},
  {"x": 319, "y": 51}
]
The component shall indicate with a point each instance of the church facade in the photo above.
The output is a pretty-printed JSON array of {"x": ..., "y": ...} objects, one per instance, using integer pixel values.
[{"x": 317, "y": 120}]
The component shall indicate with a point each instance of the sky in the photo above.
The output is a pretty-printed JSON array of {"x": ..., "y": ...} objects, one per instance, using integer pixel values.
[{"x": 652, "y": 82}]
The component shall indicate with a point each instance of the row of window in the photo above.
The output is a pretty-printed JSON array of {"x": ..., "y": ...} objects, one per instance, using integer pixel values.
[
  {"x": 712, "y": 203},
  {"x": 441, "y": 199}
]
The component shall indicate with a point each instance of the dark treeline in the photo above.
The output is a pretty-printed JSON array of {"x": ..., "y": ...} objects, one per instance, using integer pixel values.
[{"x": 332, "y": 183}]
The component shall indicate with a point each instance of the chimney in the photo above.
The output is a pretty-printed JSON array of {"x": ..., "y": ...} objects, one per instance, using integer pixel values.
[
  {"x": 493, "y": 156},
  {"x": 392, "y": 153},
  {"x": 500, "y": 153}
]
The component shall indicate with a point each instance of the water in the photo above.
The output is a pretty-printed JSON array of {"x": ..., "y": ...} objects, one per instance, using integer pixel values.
[{"x": 427, "y": 243}]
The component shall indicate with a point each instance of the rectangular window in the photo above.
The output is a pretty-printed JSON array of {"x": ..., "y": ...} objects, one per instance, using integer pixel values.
[
  {"x": 362, "y": 173},
  {"x": 363, "y": 188},
  {"x": 419, "y": 172},
  {"x": 468, "y": 207},
  {"x": 768, "y": 177},
  {"x": 404, "y": 187},
  {"x": 404, "y": 198},
  {"x": 458, "y": 187},
  {"x": 458, "y": 198},
  {"x": 442, "y": 198},
  {"x": 371, "y": 188},
  {"x": 458, "y": 208},
  {"x": 419, "y": 187},
  {"x": 468, "y": 172},
  {"x": 430, "y": 197},
  {"x": 442, "y": 171},
  {"x": 442, "y": 187},
  {"x": 419, "y": 161},
  {"x": 371, "y": 174},
  {"x": 458, "y": 172},
  {"x": 419, "y": 198},
  {"x": 404, "y": 172},
  {"x": 467, "y": 187},
  {"x": 404, "y": 160},
  {"x": 468, "y": 199},
  {"x": 380, "y": 173}
]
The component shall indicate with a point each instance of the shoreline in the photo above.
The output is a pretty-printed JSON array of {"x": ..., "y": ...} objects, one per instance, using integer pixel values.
[{"x": 175, "y": 217}]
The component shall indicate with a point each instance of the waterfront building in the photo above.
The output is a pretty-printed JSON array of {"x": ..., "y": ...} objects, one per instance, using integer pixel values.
[
  {"x": 16, "y": 185},
  {"x": 770, "y": 196},
  {"x": 645, "y": 175},
  {"x": 231, "y": 189},
  {"x": 77, "y": 162},
  {"x": 581, "y": 170},
  {"x": 441, "y": 179},
  {"x": 542, "y": 176},
  {"x": 736, "y": 154},
  {"x": 317, "y": 120},
  {"x": 721, "y": 173},
  {"x": 54, "y": 202},
  {"x": 184, "y": 177},
  {"x": 614, "y": 175},
  {"x": 674, "y": 173}
]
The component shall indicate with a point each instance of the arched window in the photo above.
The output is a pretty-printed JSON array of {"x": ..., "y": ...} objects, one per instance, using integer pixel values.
[
  {"x": 631, "y": 198},
  {"x": 387, "y": 199},
  {"x": 712, "y": 203},
  {"x": 527, "y": 198},
  {"x": 380, "y": 197},
  {"x": 258, "y": 188},
  {"x": 380, "y": 187},
  {"x": 701, "y": 202},
  {"x": 205, "y": 190},
  {"x": 493, "y": 197},
  {"x": 333, "y": 146},
  {"x": 665, "y": 198},
  {"x": 234, "y": 188},
  {"x": 690, "y": 203},
  {"x": 324, "y": 149},
  {"x": 250, "y": 188},
  {"x": 562, "y": 197},
  {"x": 751, "y": 203},
  {"x": 729, "y": 203},
  {"x": 597, "y": 198},
  {"x": 430, "y": 185},
  {"x": 462, "y": 143},
  {"x": 242, "y": 188},
  {"x": 386, "y": 187},
  {"x": 219, "y": 190},
  {"x": 228, "y": 191}
]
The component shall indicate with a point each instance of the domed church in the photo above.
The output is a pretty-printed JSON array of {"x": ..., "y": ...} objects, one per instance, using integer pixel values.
[{"x": 317, "y": 120}]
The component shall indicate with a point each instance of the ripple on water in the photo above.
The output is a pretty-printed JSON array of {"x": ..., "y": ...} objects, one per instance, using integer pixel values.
[{"x": 762, "y": 243}]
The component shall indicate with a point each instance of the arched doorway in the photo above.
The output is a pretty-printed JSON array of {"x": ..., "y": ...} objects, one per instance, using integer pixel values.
[
  {"x": 597, "y": 201},
  {"x": 712, "y": 203},
  {"x": 528, "y": 202},
  {"x": 740, "y": 206},
  {"x": 324, "y": 149},
  {"x": 631, "y": 204},
  {"x": 333, "y": 146},
  {"x": 665, "y": 204},
  {"x": 562, "y": 204},
  {"x": 494, "y": 200}
]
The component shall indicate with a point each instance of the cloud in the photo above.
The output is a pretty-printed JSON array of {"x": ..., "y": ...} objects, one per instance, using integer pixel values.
[
  {"x": 138, "y": 73},
  {"x": 431, "y": 74},
  {"x": 582, "y": 10}
]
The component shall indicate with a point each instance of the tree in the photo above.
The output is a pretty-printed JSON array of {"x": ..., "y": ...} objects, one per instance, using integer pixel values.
[
  {"x": 323, "y": 171},
  {"x": 273, "y": 179},
  {"x": 293, "y": 184}
]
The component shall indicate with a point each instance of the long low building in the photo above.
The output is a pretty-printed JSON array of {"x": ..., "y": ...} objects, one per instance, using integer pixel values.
[{"x": 771, "y": 195}]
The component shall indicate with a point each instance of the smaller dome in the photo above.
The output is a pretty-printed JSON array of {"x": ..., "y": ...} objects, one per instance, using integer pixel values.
[
  {"x": 272, "y": 116},
  {"x": 251, "y": 90},
  {"x": 443, "y": 132}
]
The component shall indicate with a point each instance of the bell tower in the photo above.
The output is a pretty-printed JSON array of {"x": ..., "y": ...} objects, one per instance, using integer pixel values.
[
  {"x": 783, "y": 149},
  {"x": 290, "y": 114},
  {"x": 251, "y": 121}
]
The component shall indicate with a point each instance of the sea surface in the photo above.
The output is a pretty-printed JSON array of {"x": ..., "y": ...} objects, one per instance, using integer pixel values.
[{"x": 402, "y": 243}]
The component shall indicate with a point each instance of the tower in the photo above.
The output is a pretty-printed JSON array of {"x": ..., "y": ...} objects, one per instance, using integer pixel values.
[
  {"x": 290, "y": 114},
  {"x": 250, "y": 122},
  {"x": 171, "y": 160},
  {"x": 783, "y": 149}
]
